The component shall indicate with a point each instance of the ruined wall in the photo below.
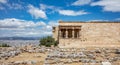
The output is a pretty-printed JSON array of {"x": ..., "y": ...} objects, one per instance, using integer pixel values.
[
  {"x": 94, "y": 34},
  {"x": 107, "y": 32},
  {"x": 55, "y": 33}
]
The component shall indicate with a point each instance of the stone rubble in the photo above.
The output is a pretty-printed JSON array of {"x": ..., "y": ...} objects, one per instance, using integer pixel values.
[
  {"x": 11, "y": 52},
  {"x": 98, "y": 56},
  {"x": 62, "y": 56}
]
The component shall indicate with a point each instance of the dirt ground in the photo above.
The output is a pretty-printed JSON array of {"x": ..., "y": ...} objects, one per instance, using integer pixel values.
[{"x": 39, "y": 57}]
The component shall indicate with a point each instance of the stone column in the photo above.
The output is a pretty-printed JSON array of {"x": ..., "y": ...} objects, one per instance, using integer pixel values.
[
  {"x": 73, "y": 33},
  {"x": 79, "y": 33},
  {"x": 66, "y": 33},
  {"x": 60, "y": 34}
]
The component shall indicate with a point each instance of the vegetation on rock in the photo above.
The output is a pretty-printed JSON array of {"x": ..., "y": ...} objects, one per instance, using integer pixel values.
[
  {"x": 48, "y": 41},
  {"x": 4, "y": 45}
]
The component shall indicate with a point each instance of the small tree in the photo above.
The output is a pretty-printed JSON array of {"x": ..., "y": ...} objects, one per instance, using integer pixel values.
[{"x": 48, "y": 41}]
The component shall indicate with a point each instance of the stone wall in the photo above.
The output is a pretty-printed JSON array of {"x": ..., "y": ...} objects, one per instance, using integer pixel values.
[
  {"x": 93, "y": 34},
  {"x": 77, "y": 43},
  {"x": 107, "y": 32},
  {"x": 55, "y": 33}
]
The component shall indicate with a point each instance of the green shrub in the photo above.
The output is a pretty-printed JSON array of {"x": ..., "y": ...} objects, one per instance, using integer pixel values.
[
  {"x": 48, "y": 41},
  {"x": 4, "y": 45}
]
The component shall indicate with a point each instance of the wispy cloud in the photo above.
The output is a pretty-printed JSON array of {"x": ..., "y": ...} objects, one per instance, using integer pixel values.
[
  {"x": 50, "y": 8},
  {"x": 53, "y": 23},
  {"x": 18, "y": 27},
  {"x": 36, "y": 12},
  {"x": 17, "y": 23},
  {"x": 62, "y": 11},
  {"x": 72, "y": 13},
  {"x": 10, "y": 5},
  {"x": 108, "y": 5},
  {"x": 14, "y": 6},
  {"x": 3, "y": 1},
  {"x": 118, "y": 19},
  {"x": 97, "y": 20},
  {"x": 2, "y": 8},
  {"x": 44, "y": 7},
  {"x": 81, "y": 2}
]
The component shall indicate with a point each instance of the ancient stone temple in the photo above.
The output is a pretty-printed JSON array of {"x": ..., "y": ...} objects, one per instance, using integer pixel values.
[{"x": 87, "y": 34}]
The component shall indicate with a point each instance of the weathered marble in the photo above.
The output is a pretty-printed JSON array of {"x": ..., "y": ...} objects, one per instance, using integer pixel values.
[{"x": 91, "y": 34}]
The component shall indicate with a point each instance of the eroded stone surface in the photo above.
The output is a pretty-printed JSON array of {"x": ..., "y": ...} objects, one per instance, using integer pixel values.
[{"x": 94, "y": 34}]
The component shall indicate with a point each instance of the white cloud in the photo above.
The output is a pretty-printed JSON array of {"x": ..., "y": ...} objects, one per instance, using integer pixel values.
[
  {"x": 10, "y": 5},
  {"x": 27, "y": 33},
  {"x": 17, "y": 27},
  {"x": 98, "y": 20},
  {"x": 43, "y": 7},
  {"x": 53, "y": 23},
  {"x": 72, "y": 13},
  {"x": 49, "y": 8},
  {"x": 17, "y": 23},
  {"x": 61, "y": 11},
  {"x": 14, "y": 6},
  {"x": 118, "y": 19},
  {"x": 81, "y": 2},
  {"x": 2, "y": 8},
  {"x": 36, "y": 12},
  {"x": 41, "y": 23},
  {"x": 108, "y": 5},
  {"x": 48, "y": 27},
  {"x": 3, "y": 1}
]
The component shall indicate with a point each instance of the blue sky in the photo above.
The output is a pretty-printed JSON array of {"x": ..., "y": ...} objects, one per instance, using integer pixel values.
[{"x": 35, "y": 18}]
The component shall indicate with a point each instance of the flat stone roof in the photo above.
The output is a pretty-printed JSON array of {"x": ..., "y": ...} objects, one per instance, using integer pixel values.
[{"x": 89, "y": 21}]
